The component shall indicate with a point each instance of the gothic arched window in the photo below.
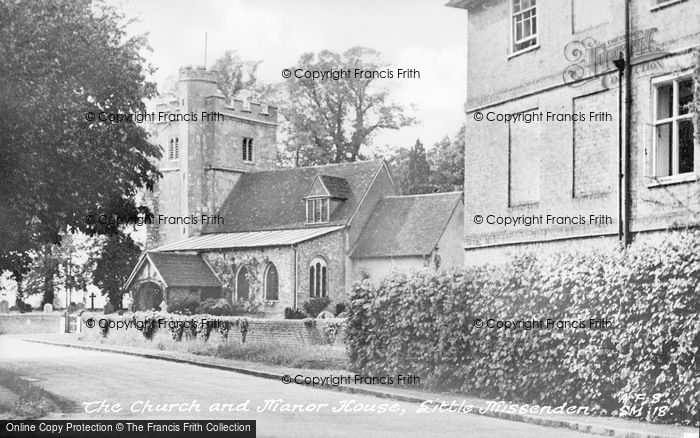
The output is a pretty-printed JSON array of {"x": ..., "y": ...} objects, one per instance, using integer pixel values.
[
  {"x": 272, "y": 285},
  {"x": 318, "y": 278},
  {"x": 243, "y": 284}
]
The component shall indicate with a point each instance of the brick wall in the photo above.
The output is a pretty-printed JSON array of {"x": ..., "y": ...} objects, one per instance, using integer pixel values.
[{"x": 30, "y": 323}]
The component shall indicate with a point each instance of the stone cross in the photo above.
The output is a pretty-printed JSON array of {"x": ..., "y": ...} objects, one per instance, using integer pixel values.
[{"x": 92, "y": 301}]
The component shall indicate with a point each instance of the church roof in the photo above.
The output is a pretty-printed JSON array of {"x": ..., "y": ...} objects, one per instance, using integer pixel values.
[
  {"x": 248, "y": 239},
  {"x": 406, "y": 225},
  {"x": 337, "y": 187},
  {"x": 178, "y": 270},
  {"x": 274, "y": 200}
]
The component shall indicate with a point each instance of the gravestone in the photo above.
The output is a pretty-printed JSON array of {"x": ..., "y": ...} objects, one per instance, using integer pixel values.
[
  {"x": 4, "y": 306},
  {"x": 48, "y": 307},
  {"x": 325, "y": 315}
]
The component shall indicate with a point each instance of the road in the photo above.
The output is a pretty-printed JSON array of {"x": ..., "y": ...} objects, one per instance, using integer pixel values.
[{"x": 108, "y": 379}]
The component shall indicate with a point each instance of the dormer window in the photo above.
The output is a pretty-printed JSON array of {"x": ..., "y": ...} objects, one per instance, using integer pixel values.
[
  {"x": 317, "y": 210},
  {"x": 325, "y": 194}
]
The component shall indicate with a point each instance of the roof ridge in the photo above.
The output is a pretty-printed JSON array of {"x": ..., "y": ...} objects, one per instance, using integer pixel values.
[
  {"x": 318, "y": 166},
  {"x": 425, "y": 194}
]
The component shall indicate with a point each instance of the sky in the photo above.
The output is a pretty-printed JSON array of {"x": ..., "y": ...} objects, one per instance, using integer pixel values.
[{"x": 421, "y": 34}]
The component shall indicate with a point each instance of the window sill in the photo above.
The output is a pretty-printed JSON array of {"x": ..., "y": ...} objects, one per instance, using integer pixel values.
[
  {"x": 674, "y": 179},
  {"x": 657, "y": 7},
  {"x": 525, "y": 205},
  {"x": 523, "y": 51}
]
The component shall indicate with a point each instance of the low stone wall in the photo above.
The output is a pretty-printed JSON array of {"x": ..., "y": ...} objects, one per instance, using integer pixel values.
[
  {"x": 292, "y": 330},
  {"x": 30, "y": 323},
  {"x": 296, "y": 331}
]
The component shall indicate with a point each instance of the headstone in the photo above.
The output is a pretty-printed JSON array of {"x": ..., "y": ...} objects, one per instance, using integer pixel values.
[
  {"x": 163, "y": 306},
  {"x": 48, "y": 307},
  {"x": 325, "y": 315},
  {"x": 4, "y": 306}
]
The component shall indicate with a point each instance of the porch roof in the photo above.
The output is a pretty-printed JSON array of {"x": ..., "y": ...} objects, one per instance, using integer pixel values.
[
  {"x": 177, "y": 270},
  {"x": 252, "y": 239}
]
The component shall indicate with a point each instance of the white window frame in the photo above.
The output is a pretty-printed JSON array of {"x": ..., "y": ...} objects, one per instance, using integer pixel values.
[
  {"x": 512, "y": 25},
  {"x": 312, "y": 207},
  {"x": 674, "y": 121}
]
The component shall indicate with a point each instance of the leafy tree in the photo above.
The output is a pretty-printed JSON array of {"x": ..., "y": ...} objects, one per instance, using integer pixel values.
[
  {"x": 113, "y": 266},
  {"x": 397, "y": 160},
  {"x": 62, "y": 61},
  {"x": 235, "y": 74},
  {"x": 418, "y": 170},
  {"x": 447, "y": 163},
  {"x": 328, "y": 121},
  {"x": 440, "y": 169},
  {"x": 68, "y": 265},
  {"x": 41, "y": 277}
]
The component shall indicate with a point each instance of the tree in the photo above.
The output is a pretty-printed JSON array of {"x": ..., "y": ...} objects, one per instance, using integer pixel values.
[
  {"x": 67, "y": 265},
  {"x": 418, "y": 170},
  {"x": 113, "y": 266},
  {"x": 447, "y": 163},
  {"x": 236, "y": 75},
  {"x": 327, "y": 120},
  {"x": 64, "y": 62}
]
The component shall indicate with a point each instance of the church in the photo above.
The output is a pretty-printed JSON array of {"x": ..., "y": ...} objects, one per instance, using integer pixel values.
[{"x": 275, "y": 237}]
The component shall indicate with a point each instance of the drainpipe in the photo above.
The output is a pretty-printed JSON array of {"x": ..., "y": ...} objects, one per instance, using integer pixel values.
[
  {"x": 296, "y": 275},
  {"x": 620, "y": 65},
  {"x": 628, "y": 126}
]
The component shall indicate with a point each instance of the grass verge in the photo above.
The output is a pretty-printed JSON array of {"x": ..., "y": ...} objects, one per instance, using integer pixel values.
[
  {"x": 32, "y": 401},
  {"x": 269, "y": 352}
]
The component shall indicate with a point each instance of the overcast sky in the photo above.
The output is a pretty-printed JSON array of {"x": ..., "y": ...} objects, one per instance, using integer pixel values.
[{"x": 420, "y": 34}]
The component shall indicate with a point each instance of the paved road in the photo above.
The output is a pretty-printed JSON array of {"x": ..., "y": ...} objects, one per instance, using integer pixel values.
[{"x": 88, "y": 376}]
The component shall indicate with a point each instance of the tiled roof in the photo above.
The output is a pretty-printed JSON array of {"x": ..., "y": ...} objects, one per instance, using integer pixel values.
[
  {"x": 248, "y": 239},
  {"x": 274, "y": 200},
  {"x": 337, "y": 187},
  {"x": 406, "y": 225},
  {"x": 186, "y": 270}
]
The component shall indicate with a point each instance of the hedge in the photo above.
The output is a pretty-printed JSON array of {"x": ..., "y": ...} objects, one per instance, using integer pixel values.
[{"x": 423, "y": 324}]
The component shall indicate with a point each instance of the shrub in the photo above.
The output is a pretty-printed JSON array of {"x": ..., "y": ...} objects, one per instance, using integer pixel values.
[
  {"x": 216, "y": 307},
  {"x": 148, "y": 325},
  {"x": 183, "y": 306},
  {"x": 290, "y": 313},
  {"x": 21, "y": 306},
  {"x": 427, "y": 324},
  {"x": 315, "y": 306},
  {"x": 108, "y": 308},
  {"x": 332, "y": 327}
]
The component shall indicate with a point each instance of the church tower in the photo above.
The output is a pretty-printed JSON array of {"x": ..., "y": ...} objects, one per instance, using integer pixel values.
[{"x": 208, "y": 143}]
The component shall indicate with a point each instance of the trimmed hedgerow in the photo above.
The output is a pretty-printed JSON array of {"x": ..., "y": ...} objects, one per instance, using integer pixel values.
[{"x": 425, "y": 324}]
